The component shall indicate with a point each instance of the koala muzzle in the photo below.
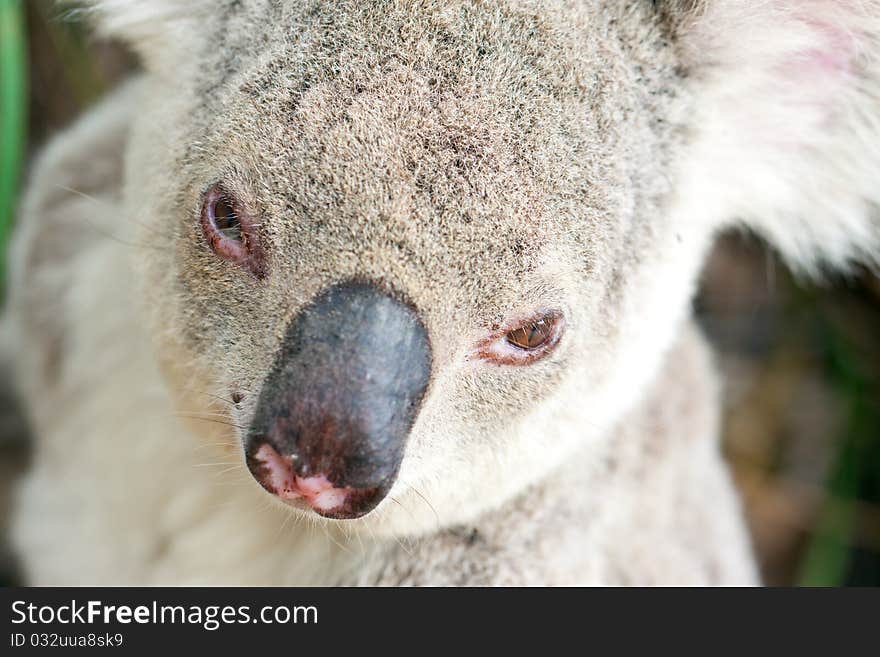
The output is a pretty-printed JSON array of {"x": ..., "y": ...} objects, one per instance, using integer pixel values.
[{"x": 337, "y": 408}]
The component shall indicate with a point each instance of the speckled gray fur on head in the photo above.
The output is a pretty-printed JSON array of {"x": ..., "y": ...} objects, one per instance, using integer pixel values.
[{"x": 553, "y": 168}]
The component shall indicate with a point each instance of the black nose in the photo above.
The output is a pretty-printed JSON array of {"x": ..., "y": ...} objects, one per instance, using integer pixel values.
[{"x": 336, "y": 409}]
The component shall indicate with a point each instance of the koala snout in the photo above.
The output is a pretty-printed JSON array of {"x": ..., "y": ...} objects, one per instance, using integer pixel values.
[{"x": 337, "y": 408}]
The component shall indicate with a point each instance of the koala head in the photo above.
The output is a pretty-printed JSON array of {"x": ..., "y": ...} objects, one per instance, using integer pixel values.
[{"x": 429, "y": 249}]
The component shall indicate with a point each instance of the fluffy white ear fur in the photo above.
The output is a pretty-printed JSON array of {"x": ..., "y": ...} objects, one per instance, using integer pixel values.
[
  {"x": 789, "y": 124},
  {"x": 157, "y": 29}
]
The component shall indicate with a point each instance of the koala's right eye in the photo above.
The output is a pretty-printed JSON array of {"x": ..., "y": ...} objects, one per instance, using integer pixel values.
[{"x": 230, "y": 231}]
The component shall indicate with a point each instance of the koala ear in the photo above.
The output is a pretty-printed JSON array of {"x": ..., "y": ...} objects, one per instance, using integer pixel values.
[
  {"x": 787, "y": 97},
  {"x": 157, "y": 29}
]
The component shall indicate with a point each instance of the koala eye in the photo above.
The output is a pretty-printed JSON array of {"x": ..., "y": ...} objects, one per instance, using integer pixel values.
[
  {"x": 529, "y": 342},
  {"x": 533, "y": 335},
  {"x": 230, "y": 232},
  {"x": 225, "y": 220}
]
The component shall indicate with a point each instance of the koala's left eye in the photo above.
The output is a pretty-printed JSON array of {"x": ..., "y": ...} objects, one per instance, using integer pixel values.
[
  {"x": 230, "y": 231},
  {"x": 533, "y": 335},
  {"x": 525, "y": 344}
]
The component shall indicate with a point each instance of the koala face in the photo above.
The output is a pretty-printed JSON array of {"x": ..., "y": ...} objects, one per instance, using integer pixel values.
[
  {"x": 419, "y": 244},
  {"x": 427, "y": 249}
]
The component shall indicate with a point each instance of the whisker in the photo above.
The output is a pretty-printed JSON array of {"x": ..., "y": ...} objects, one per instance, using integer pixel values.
[
  {"x": 200, "y": 413},
  {"x": 426, "y": 501},
  {"x": 237, "y": 466},
  {"x": 208, "y": 445},
  {"x": 333, "y": 540},
  {"x": 88, "y": 197},
  {"x": 214, "y": 420},
  {"x": 397, "y": 538},
  {"x": 106, "y": 204},
  {"x": 209, "y": 394}
]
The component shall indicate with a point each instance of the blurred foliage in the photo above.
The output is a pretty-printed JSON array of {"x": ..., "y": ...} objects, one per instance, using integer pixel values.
[
  {"x": 846, "y": 543},
  {"x": 69, "y": 69},
  {"x": 801, "y": 362}
]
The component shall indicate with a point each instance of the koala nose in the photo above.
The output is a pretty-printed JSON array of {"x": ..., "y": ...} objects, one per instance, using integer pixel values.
[{"x": 337, "y": 408}]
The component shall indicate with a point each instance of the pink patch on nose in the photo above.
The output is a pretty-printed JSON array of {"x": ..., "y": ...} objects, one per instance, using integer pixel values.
[
  {"x": 278, "y": 474},
  {"x": 326, "y": 497},
  {"x": 278, "y": 477},
  {"x": 313, "y": 486}
]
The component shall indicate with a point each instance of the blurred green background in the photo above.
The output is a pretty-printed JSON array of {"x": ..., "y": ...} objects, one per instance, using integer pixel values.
[{"x": 801, "y": 362}]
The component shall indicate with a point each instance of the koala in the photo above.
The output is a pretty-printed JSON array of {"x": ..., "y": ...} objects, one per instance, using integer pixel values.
[{"x": 399, "y": 292}]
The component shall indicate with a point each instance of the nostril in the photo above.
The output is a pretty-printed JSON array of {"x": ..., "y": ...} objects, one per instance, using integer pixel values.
[
  {"x": 274, "y": 472},
  {"x": 277, "y": 474}
]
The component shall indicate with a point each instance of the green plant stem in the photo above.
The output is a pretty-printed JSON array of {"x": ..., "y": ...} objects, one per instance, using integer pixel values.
[{"x": 13, "y": 115}]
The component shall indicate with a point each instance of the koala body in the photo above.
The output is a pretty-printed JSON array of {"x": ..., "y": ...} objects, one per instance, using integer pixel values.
[{"x": 398, "y": 292}]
